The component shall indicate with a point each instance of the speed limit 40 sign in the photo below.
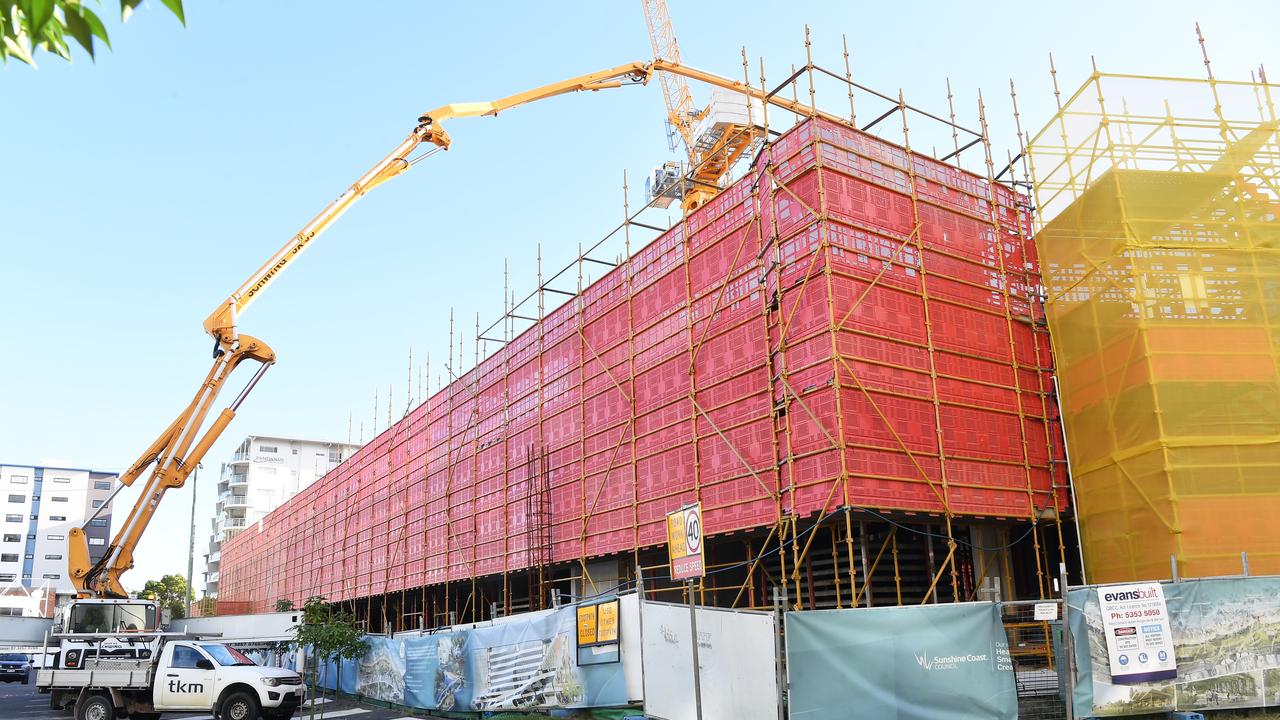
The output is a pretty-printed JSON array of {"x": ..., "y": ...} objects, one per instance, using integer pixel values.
[{"x": 684, "y": 542}]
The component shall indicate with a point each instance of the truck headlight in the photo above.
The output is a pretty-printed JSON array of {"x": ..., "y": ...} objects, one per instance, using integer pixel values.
[{"x": 271, "y": 682}]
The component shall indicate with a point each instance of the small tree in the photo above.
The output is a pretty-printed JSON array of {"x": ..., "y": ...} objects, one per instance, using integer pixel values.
[
  {"x": 171, "y": 592},
  {"x": 328, "y": 636},
  {"x": 283, "y": 605}
]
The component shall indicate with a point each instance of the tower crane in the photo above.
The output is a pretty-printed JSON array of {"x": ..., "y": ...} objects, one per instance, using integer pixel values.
[{"x": 714, "y": 136}]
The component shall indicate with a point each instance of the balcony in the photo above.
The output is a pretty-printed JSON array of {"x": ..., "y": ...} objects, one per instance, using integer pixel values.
[
  {"x": 231, "y": 524},
  {"x": 232, "y": 500},
  {"x": 235, "y": 479}
]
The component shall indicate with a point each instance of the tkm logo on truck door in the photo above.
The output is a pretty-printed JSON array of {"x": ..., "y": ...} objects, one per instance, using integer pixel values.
[{"x": 177, "y": 686}]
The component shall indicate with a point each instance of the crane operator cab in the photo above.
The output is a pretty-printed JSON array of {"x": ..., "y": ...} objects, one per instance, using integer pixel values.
[{"x": 108, "y": 628}]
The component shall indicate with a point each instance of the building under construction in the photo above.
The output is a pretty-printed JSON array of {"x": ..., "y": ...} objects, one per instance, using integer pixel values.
[
  {"x": 843, "y": 356},
  {"x": 1163, "y": 210}
]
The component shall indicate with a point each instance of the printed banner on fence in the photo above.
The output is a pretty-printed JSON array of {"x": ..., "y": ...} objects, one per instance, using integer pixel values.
[
  {"x": 529, "y": 662},
  {"x": 926, "y": 662},
  {"x": 1225, "y": 637},
  {"x": 1135, "y": 621}
]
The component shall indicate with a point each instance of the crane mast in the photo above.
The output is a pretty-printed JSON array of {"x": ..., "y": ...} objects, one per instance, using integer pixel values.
[
  {"x": 715, "y": 136},
  {"x": 675, "y": 88}
]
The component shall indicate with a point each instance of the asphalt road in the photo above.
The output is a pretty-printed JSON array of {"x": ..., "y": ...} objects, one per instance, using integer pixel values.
[{"x": 22, "y": 702}]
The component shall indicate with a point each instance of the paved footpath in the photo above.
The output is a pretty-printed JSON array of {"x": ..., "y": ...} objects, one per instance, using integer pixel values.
[{"x": 22, "y": 702}]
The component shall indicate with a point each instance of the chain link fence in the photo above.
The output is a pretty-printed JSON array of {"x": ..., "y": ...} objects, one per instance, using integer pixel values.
[{"x": 1032, "y": 648}]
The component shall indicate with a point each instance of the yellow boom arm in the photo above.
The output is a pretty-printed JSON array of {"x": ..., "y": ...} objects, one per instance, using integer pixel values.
[{"x": 176, "y": 452}]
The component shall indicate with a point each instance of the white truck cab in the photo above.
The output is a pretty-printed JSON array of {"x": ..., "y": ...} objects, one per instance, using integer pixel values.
[{"x": 186, "y": 675}]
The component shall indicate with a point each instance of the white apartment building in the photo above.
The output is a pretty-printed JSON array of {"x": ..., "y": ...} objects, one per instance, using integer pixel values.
[
  {"x": 264, "y": 473},
  {"x": 40, "y": 505}
]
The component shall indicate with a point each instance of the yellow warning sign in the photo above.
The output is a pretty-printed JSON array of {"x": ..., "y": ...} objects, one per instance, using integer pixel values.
[
  {"x": 607, "y": 622},
  {"x": 586, "y": 624},
  {"x": 684, "y": 542}
]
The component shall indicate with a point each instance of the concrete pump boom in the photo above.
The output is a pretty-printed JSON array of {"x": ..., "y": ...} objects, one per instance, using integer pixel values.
[{"x": 177, "y": 452}]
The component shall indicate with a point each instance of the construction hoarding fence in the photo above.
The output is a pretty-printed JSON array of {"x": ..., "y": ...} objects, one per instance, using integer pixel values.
[
  {"x": 1225, "y": 643},
  {"x": 1160, "y": 223},
  {"x": 737, "y": 651},
  {"x": 929, "y": 662},
  {"x": 851, "y": 326},
  {"x": 527, "y": 662}
]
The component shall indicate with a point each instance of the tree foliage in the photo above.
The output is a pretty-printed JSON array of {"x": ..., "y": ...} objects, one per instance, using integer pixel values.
[
  {"x": 171, "y": 591},
  {"x": 27, "y": 26},
  {"x": 283, "y": 605},
  {"x": 329, "y": 635}
]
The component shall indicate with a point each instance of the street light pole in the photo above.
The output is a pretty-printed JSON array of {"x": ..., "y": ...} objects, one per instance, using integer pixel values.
[{"x": 191, "y": 547}]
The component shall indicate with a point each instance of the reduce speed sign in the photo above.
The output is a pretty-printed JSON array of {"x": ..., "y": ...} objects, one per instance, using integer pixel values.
[{"x": 684, "y": 542}]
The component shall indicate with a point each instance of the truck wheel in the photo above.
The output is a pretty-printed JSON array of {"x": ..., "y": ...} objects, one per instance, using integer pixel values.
[
  {"x": 239, "y": 705},
  {"x": 95, "y": 707}
]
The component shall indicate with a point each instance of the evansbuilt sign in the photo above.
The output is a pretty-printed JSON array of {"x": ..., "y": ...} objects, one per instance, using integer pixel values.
[{"x": 1129, "y": 595}]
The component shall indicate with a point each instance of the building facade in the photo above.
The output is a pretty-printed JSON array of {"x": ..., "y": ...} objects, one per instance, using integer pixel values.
[
  {"x": 40, "y": 505},
  {"x": 840, "y": 357},
  {"x": 264, "y": 473}
]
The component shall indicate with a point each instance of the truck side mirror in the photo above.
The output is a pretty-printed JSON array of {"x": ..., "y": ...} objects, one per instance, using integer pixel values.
[{"x": 203, "y": 664}]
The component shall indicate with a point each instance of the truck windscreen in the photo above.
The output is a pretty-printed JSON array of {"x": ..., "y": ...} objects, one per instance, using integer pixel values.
[
  {"x": 226, "y": 656},
  {"x": 110, "y": 618}
]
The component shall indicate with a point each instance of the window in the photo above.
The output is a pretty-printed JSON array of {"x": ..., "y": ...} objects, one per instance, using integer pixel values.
[
  {"x": 97, "y": 541},
  {"x": 11, "y": 611},
  {"x": 8, "y": 577},
  {"x": 98, "y": 522},
  {"x": 57, "y": 518},
  {"x": 185, "y": 657},
  {"x": 87, "y": 618},
  {"x": 30, "y": 556},
  {"x": 13, "y": 517},
  {"x": 295, "y": 451},
  {"x": 31, "y": 536},
  {"x": 62, "y": 481},
  {"x": 8, "y": 557},
  {"x": 268, "y": 448},
  {"x": 52, "y": 556},
  {"x": 97, "y": 503},
  {"x": 101, "y": 484},
  {"x": 18, "y": 498},
  {"x": 227, "y": 656},
  {"x": 35, "y": 498},
  {"x": 335, "y": 455},
  {"x": 18, "y": 479},
  {"x": 56, "y": 537},
  {"x": 52, "y": 576},
  {"x": 59, "y": 498},
  {"x": 12, "y": 537}
]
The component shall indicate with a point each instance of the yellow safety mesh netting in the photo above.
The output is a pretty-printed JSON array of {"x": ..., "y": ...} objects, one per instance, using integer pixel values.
[{"x": 1159, "y": 238}]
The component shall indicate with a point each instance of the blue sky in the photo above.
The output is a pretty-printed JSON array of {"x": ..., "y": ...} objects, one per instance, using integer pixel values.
[{"x": 139, "y": 190}]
